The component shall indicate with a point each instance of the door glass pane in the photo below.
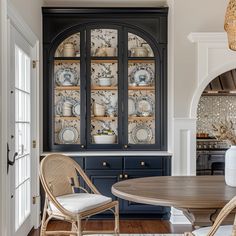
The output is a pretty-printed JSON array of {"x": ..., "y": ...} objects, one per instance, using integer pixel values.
[
  {"x": 104, "y": 42},
  {"x": 22, "y": 136},
  {"x": 104, "y": 87},
  {"x": 138, "y": 47},
  {"x": 67, "y": 91},
  {"x": 70, "y": 47},
  {"x": 141, "y": 94}
]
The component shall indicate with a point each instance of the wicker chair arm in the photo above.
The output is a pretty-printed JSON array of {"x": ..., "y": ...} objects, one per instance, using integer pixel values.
[{"x": 220, "y": 218}]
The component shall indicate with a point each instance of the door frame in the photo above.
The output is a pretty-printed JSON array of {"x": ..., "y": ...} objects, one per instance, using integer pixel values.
[{"x": 10, "y": 16}]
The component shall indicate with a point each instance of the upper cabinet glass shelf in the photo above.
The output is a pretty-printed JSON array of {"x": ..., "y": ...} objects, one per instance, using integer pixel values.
[
  {"x": 104, "y": 43},
  {"x": 69, "y": 48},
  {"x": 138, "y": 47}
]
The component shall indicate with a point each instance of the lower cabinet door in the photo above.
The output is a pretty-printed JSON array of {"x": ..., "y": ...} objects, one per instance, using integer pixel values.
[
  {"x": 103, "y": 180},
  {"x": 133, "y": 207}
]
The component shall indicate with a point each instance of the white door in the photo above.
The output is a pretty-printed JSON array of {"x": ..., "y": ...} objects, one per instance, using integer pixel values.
[{"x": 21, "y": 125}]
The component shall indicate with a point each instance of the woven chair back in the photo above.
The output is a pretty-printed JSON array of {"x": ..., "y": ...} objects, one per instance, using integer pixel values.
[{"x": 59, "y": 174}]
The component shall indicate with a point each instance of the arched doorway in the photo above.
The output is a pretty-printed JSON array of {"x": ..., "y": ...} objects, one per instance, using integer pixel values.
[{"x": 216, "y": 104}]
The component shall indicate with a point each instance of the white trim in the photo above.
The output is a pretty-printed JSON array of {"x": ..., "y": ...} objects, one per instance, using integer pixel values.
[
  {"x": 203, "y": 37},
  {"x": 4, "y": 184},
  {"x": 18, "y": 22},
  {"x": 170, "y": 84},
  {"x": 178, "y": 218},
  {"x": 213, "y": 58},
  {"x": 36, "y": 136},
  {"x": 184, "y": 161}
]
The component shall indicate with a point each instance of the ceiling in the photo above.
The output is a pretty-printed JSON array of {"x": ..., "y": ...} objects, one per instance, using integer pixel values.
[
  {"x": 223, "y": 84},
  {"x": 105, "y": 3}
]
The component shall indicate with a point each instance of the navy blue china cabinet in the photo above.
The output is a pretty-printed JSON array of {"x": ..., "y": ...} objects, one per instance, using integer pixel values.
[{"x": 105, "y": 89}]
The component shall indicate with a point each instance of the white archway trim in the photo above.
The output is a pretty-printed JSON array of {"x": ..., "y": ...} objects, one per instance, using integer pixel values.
[{"x": 213, "y": 59}]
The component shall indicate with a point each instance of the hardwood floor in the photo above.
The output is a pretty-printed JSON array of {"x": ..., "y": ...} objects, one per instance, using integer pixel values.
[{"x": 126, "y": 226}]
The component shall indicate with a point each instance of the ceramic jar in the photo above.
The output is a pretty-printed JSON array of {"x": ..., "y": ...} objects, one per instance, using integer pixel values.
[
  {"x": 67, "y": 109},
  {"x": 230, "y": 166},
  {"x": 105, "y": 52},
  {"x": 68, "y": 50},
  {"x": 98, "y": 109},
  {"x": 139, "y": 52}
]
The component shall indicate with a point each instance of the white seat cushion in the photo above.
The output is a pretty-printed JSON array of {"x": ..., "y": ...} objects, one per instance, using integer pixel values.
[
  {"x": 80, "y": 202},
  {"x": 224, "y": 230}
]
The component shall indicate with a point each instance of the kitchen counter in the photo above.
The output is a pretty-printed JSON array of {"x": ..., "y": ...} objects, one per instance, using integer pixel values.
[{"x": 113, "y": 153}]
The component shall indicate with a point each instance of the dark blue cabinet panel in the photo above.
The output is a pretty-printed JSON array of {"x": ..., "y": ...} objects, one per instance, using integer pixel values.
[
  {"x": 132, "y": 207},
  {"x": 103, "y": 163},
  {"x": 106, "y": 171},
  {"x": 103, "y": 180},
  {"x": 79, "y": 160},
  {"x": 143, "y": 163},
  {"x": 122, "y": 168}
]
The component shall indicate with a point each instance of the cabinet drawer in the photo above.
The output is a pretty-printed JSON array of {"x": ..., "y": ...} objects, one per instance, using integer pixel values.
[
  {"x": 143, "y": 162},
  {"x": 79, "y": 160},
  {"x": 103, "y": 163}
]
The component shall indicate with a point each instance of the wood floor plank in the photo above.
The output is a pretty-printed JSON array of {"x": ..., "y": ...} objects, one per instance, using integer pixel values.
[{"x": 126, "y": 226}]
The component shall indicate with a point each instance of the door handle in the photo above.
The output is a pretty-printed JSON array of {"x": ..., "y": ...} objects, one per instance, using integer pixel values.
[{"x": 9, "y": 162}]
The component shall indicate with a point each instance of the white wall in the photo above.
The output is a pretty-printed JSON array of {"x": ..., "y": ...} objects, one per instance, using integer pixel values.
[
  {"x": 30, "y": 10},
  {"x": 191, "y": 16}
]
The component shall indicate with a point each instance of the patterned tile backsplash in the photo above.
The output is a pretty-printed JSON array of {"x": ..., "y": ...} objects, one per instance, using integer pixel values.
[{"x": 212, "y": 109}]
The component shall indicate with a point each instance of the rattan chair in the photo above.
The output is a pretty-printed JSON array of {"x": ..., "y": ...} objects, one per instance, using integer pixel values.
[
  {"x": 59, "y": 178},
  {"x": 216, "y": 229}
]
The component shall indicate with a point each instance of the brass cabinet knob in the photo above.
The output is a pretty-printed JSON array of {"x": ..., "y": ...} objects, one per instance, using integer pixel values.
[
  {"x": 125, "y": 146},
  {"x": 142, "y": 163},
  {"x": 82, "y": 146},
  {"x": 104, "y": 163},
  {"x": 126, "y": 176},
  {"x": 121, "y": 176}
]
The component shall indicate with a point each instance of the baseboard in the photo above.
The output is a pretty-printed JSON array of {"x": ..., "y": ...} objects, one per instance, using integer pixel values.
[{"x": 177, "y": 217}]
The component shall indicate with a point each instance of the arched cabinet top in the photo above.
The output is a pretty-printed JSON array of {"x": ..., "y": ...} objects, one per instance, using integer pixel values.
[{"x": 101, "y": 37}]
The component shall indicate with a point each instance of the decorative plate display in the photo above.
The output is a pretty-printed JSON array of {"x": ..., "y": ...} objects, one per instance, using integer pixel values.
[
  {"x": 141, "y": 134},
  {"x": 60, "y": 103},
  {"x": 131, "y": 106},
  {"x": 68, "y": 135},
  {"x": 144, "y": 106},
  {"x": 76, "y": 109},
  {"x": 142, "y": 76},
  {"x": 67, "y": 77}
]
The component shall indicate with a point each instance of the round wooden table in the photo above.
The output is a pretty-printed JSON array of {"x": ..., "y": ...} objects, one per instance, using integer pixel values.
[{"x": 199, "y": 197}]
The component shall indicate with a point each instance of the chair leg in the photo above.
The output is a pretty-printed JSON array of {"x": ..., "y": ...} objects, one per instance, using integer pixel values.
[
  {"x": 43, "y": 225},
  {"x": 73, "y": 227},
  {"x": 79, "y": 226},
  {"x": 117, "y": 226}
]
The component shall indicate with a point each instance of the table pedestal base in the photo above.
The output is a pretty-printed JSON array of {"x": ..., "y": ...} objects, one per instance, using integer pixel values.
[{"x": 205, "y": 217}]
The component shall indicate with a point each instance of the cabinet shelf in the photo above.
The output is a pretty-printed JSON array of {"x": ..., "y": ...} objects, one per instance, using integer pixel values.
[
  {"x": 137, "y": 118},
  {"x": 99, "y": 60},
  {"x": 141, "y": 88},
  {"x": 68, "y": 117},
  {"x": 67, "y": 88},
  {"x": 104, "y": 88},
  {"x": 66, "y": 60},
  {"x": 105, "y": 118},
  {"x": 141, "y": 60}
]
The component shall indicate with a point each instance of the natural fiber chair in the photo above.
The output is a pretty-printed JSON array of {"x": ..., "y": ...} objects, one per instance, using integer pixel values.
[
  {"x": 59, "y": 177},
  {"x": 216, "y": 229}
]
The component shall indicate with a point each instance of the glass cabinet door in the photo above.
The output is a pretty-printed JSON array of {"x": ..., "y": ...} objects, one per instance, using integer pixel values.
[
  {"x": 67, "y": 92},
  {"x": 104, "y": 92},
  {"x": 141, "y": 92}
]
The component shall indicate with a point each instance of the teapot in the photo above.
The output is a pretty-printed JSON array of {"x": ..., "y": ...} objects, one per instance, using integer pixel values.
[{"x": 139, "y": 52}]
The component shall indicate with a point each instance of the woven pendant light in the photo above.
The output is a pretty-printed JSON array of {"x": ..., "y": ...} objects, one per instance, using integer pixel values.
[{"x": 230, "y": 24}]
